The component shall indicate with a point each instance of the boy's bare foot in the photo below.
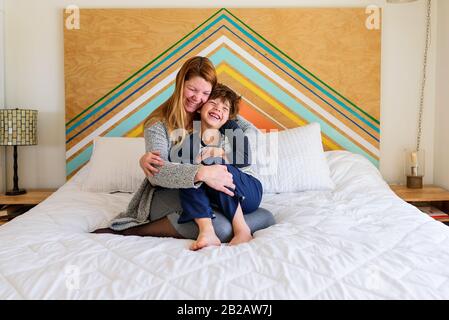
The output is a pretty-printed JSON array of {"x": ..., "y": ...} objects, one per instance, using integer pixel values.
[
  {"x": 241, "y": 237},
  {"x": 205, "y": 239}
]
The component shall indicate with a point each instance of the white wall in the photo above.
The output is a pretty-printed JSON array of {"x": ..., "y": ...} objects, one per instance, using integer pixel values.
[
  {"x": 35, "y": 77},
  {"x": 403, "y": 45},
  {"x": 442, "y": 98},
  {"x": 2, "y": 95}
]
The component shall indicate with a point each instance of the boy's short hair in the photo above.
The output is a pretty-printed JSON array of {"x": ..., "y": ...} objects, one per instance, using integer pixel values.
[{"x": 226, "y": 94}]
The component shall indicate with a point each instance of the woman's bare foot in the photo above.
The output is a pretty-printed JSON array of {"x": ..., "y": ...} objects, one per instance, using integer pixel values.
[
  {"x": 241, "y": 237},
  {"x": 205, "y": 239}
]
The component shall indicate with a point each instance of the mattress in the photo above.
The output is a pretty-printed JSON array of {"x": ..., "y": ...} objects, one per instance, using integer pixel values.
[{"x": 359, "y": 241}]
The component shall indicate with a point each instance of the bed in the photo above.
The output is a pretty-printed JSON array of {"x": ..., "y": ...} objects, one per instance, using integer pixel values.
[{"x": 359, "y": 241}]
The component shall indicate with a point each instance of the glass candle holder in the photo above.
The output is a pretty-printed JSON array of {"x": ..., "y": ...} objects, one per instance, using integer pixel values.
[{"x": 414, "y": 167}]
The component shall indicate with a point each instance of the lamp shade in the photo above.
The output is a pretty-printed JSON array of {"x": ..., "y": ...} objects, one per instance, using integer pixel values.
[{"x": 18, "y": 127}]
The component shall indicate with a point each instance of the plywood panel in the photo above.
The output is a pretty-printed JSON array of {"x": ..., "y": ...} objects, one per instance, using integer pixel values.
[{"x": 293, "y": 66}]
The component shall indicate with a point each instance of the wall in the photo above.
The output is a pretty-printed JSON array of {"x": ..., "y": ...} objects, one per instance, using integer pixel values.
[
  {"x": 402, "y": 61},
  {"x": 2, "y": 94},
  {"x": 35, "y": 77},
  {"x": 442, "y": 98}
]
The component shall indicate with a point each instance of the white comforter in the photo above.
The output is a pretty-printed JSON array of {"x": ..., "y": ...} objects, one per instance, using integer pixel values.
[{"x": 358, "y": 242}]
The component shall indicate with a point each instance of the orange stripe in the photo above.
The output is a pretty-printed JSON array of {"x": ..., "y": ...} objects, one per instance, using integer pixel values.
[{"x": 258, "y": 119}]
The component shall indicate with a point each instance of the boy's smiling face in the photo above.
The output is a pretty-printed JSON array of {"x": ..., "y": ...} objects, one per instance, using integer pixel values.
[{"x": 215, "y": 113}]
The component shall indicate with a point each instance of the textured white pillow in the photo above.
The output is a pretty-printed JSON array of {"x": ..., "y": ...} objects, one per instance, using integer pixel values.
[
  {"x": 293, "y": 160},
  {"x": 114, "y": 165}
]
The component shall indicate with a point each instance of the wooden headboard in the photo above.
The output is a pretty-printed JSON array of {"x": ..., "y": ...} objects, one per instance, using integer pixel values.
[{"x": 292, "y": 67}]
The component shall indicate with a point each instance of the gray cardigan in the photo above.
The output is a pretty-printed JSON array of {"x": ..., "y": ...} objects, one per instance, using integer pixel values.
[{"x": 171, "y": 175}]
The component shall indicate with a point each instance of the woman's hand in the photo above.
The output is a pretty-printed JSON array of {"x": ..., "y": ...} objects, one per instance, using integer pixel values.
[
  {"x": 216, "y": 177},
  {"x": 149, "y": 161}
]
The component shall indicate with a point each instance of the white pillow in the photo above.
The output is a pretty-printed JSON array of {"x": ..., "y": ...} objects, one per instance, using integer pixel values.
[
  {"x": 114, "y": 165},
  {"x": 292, "y": 160}
]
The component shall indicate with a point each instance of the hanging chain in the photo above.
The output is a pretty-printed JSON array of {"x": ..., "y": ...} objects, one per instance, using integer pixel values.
[{"x": 423, "y": 84}]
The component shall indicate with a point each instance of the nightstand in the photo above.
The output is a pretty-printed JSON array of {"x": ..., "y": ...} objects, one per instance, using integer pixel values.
[
  {"x": 431, "y": 199},
  {"x": 13, "y": 206}
]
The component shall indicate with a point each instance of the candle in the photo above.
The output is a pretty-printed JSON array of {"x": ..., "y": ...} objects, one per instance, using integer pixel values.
[
  {"x": 414, "y": 163},
  {"x": 414, "y": 159}
]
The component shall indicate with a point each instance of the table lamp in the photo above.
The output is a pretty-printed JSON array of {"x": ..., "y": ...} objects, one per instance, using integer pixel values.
[{"x": 17, "y": 128}]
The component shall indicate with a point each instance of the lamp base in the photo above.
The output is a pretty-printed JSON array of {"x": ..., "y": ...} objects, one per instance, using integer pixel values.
[
  {"x": 15, "y": 192},
  {"x": 414, "y": 182}
]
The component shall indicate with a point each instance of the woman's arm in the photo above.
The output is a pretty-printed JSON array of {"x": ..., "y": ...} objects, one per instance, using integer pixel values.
[
  {"x": 251, "y": 133},
  {"x": 249, "y": 146},
  {"x": 170, "y": 175},
  {"x": 244, "y": 124},
  {"x": 183, "y": 175},
  {"x": 239, "y": 149}
]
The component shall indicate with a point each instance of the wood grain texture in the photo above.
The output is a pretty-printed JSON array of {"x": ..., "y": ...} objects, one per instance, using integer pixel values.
[
  {"x": 332, "y": 43},
  {"x": 427, "y": 193},
  {"x": 112, "y": 44},
  {"x": 33, "y": 196},
  {"x": 340, "y": 54}
]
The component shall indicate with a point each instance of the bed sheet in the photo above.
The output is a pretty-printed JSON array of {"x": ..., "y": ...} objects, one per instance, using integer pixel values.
[{"x": 359, "y": 241}]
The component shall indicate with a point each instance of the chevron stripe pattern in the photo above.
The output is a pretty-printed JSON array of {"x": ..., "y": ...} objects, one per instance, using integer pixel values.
[{"x": 278, "y": 92}]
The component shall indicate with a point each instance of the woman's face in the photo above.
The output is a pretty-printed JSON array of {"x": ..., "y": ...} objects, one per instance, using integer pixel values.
[{"x": 196, "y": 93}]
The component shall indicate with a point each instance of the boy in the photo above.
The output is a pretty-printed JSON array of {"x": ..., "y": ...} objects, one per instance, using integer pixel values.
[{"x": 219, "y": 141}]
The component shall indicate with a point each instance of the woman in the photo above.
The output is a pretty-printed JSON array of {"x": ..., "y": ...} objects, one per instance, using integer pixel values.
[{"x": 194, "y": 83}]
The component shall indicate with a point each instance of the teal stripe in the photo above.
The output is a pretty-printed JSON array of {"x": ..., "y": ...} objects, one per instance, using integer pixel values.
[
  {"x": 78, "y": 161},
  {"x": 137, "y": 118},
  {"x": 121, "y": 129},
  {"x": 108, "y": 101},
  {"x": 224, "y": 55},
  {"x": 221, "y": 55},
  {"x": 304, "y": 76},
  {"x": 290, "y": 66}
]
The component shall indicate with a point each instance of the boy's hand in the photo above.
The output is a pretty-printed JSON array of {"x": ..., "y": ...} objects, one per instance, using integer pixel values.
[{"x": 211, "y": 152}]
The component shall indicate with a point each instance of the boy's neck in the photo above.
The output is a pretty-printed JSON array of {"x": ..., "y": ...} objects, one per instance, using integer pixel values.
[{"x": 212, "y": 136}]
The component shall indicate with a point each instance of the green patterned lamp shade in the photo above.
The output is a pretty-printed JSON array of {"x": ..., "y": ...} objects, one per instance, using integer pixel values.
[{"x": 18, "y": 127}]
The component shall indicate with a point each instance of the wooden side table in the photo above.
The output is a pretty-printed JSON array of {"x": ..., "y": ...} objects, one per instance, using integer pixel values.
[
  {"x": 12, "y": 206},
  {"x": 429, "y": 199}
]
